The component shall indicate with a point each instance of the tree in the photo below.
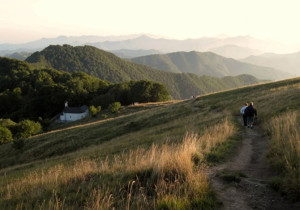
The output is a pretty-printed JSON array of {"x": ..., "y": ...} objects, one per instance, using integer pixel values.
[
  {"x": 5, "y": 135},
  {"x": 114, "y": 107},
  {"x": 159, "y": 93},
  {"x": 27, "y": 128},
  {"x": 95, "y": 110}
]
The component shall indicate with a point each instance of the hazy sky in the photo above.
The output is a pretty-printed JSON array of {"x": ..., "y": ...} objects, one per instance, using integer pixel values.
[{"x": 27, "y": 20}]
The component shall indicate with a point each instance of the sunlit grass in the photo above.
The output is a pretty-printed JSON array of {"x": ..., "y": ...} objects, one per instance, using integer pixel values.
[
  {"x": 285, "y": 150},
  {"x": 149, "y": 159},
  {"x": 162, "y": 175}
]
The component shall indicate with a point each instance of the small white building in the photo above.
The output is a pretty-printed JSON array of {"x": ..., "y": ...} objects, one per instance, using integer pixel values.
[{"x": 70, "y": 114}]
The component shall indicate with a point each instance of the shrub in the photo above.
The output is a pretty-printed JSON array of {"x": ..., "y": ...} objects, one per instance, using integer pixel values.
[
  {"x": 5, "y": 135},
  {"x": 7, "y": 123},
  {"x": 95, "y": 110},
  {"x": 104, "y": 116},
  {"x": 114, "y": 107},
  {"x": 27, "y": 128}
]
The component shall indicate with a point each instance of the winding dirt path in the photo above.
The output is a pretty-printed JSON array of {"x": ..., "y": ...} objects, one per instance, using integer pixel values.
[{"x": 252, "y": 192}]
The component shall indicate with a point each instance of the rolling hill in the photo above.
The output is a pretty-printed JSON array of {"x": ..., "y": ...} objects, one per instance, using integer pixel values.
[
  {"x": 207, "y": 63},
  {"x": 19, "y": 55},
  {"x": 109, "y": 67},
  {"x": 234, "y": 51},
  {"x": 289, "y": 63},
  {"x": 152, "y": 159},
  {"x": 123, "y": 53}
]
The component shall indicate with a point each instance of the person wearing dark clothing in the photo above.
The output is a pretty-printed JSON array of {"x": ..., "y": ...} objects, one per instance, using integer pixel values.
[
  {"x": 242, "y": 111},
  {"x": 250, "y": 113}
]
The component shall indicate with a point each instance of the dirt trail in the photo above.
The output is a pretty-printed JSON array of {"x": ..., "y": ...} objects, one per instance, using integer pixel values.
[{"x": 252, "y": 192}]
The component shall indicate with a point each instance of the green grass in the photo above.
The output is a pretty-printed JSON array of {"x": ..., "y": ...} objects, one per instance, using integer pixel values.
[{"x": 132, "y": 131}]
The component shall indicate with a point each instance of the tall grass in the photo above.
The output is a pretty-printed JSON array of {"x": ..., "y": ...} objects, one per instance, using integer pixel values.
[
  {"x": 166, "y": 176},
  {"x": 285, "y": 150}
]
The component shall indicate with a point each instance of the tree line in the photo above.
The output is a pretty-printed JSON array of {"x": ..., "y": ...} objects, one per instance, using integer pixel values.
[{"x": 27, "y": 93}]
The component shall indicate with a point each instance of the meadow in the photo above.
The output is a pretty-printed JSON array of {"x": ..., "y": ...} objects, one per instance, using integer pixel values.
[{"x": 151, "y": 158}]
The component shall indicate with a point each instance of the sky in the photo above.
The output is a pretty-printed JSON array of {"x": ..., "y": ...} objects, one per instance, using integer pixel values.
[{"x": 27, "y": 20}]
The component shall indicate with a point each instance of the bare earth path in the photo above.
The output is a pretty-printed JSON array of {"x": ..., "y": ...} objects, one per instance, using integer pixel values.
[{"x": 252, "y": 192}]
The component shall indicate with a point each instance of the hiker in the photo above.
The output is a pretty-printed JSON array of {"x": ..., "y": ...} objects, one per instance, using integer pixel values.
[
  {"x": 250, "y": 112},
  {"x": 242, "y": 111}
]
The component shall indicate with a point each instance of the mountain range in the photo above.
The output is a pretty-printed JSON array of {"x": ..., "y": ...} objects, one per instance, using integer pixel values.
[
  {"x": 289, "y": 63},
  {"x": 207, "y": 63},
  {"x": 124, "y": 53},
  {"x": 201, "y": 44},
  {"x": 109, "y": 67},
  {"x": 150, "y": 42},
  {"x": 234, "y": 51}
]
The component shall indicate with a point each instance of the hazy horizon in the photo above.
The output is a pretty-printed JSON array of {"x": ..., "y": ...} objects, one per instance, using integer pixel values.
[
  {"x": 28, "y": 20},
  {"x": 135, "y": 35}
]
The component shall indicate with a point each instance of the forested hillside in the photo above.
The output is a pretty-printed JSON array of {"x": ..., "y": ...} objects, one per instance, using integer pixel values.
[
  {"x": 207, "y": 63},
  {"x": 26, "y": 93},
  {"x": 109, "y": 67}
]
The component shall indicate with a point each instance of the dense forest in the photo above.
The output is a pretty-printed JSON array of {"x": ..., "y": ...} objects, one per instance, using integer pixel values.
[
  {"x": 107, "y": 66},
  {"x": 27, "y": 93}
]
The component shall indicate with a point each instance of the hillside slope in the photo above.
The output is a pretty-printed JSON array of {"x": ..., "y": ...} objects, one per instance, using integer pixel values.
[
  {"x": 234, "y": 51},
  {"x": 289, "y": 63},
  {"x": 207, "y": 63},
  {"x": 145, "y": 159},
  {"x": 124, "y": 53},
  {"x": 109, "y": 67}
]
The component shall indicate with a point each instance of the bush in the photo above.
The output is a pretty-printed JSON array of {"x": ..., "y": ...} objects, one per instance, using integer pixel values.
[
  {"x": 27, "y": 128},
  {"x": 95, "y": 110},
  {"x": 114, "y": 107},
  {"x": 7, "y": 123},
  {"x": 5, "y": 135}
]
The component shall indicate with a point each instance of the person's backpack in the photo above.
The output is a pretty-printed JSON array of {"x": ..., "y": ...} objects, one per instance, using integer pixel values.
[
  {"x": 246, "y": 112},
  {"x": 250, "y": 111}
]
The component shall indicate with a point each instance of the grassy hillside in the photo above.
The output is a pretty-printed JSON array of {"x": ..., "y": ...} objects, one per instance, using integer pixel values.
[
  {"x": 207, "y": 63},
  {"x": 109, "y": 67},
  {"x": 150, "y": 159}
]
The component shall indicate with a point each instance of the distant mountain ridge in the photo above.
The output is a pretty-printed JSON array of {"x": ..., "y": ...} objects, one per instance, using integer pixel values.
[
  {"x": 201, "y": 44},
  {"x": 289, "y": 63},
  {"x": 207, "y": 63},
  {"x": 124, "y": 53},
  {"x": 19, "y": 55},
  {"x": 234, "y": 51},
  {"x": 148, "y": 42},
  {"x": 109, "y": 67}
]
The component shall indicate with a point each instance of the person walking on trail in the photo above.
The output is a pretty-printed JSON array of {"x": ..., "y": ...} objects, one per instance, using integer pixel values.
[
  {"x": 242, "y": 111},
  {"x": 250, "y": 112}
]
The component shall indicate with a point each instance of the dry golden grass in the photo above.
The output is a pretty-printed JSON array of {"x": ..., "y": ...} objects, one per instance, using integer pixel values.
[
  {"x": 285, "y": 149},
  {"x": 163, "y": 175}
]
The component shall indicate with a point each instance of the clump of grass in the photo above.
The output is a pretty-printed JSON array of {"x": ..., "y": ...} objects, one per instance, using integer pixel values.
[
  {"x": 162, "y": 177},
  {"x": 231, "y": 176},
  {"x": 284, "y": 151}
]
